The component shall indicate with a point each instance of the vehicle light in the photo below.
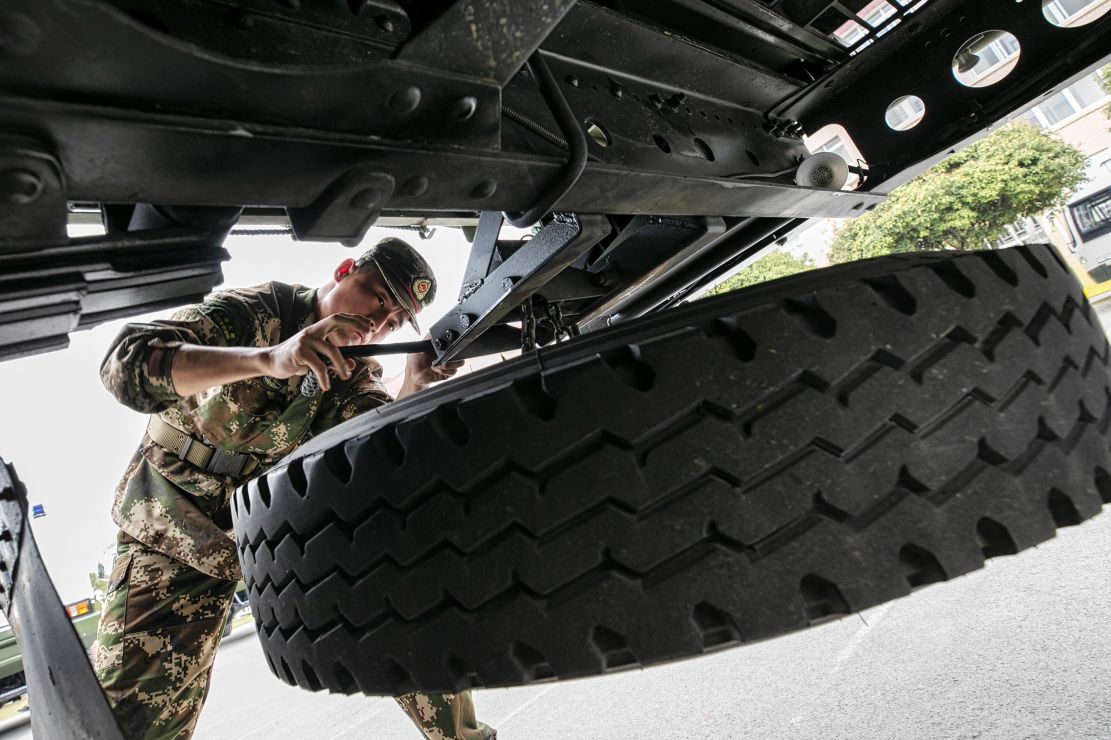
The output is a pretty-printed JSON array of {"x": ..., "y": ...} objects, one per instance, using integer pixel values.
[{"x": 79, "y": 608}]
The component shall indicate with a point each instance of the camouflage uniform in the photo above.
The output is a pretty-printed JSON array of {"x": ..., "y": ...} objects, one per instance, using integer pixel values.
[{"x": 176, "y": 570}]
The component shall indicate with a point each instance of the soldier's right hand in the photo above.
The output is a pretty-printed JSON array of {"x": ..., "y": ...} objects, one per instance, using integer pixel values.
[{"x": 316, "y": 348}]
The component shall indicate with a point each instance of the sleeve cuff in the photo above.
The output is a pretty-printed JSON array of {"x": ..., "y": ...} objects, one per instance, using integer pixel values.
[{"x": 158, "y": 380}]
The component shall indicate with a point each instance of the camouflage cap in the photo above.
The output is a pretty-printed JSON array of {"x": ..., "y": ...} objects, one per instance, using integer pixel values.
[{"x": 405, "y": 273}]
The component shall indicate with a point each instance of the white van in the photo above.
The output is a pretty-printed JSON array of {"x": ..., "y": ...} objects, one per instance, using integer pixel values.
[{"x": 1089, "y": 216}]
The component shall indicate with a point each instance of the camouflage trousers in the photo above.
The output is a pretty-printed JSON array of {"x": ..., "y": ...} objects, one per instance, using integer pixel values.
[{"x": 157, "y": 640}]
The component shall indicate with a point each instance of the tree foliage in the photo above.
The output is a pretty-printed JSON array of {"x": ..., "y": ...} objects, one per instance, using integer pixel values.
[
  {"x": 969, "y": 198},
  {"x": 769, "y": 267},
  {"x": 100, "y": 587}
]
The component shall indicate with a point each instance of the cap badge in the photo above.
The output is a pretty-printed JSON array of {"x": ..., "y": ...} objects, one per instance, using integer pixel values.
[{"x": 421, "y": 286}]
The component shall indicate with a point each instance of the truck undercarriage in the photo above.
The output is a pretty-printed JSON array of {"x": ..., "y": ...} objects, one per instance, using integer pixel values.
[{"x": 339, "y": 114}]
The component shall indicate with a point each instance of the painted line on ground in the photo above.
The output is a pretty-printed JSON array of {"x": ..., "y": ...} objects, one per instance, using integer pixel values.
[
  {"x": 505, "y": 720},
  {"x": 858, "y": 637}
]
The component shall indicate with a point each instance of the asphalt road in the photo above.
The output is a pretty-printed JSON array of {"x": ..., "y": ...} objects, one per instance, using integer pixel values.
[{"x": 1020, "y": 649}]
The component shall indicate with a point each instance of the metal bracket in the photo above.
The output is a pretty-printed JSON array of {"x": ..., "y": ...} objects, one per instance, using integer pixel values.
[
  {"x": 51, "y": 45},
  {"x": 32, "y": 196},
  {"x": 489, "y": 39},
  {"x": 483, "y": 252},
  {"x": 346, "y": 208},
  {"x": 77, "y": 283},
  {"x": 598, "y": 316},
  {"x": 558, "y": 243}
]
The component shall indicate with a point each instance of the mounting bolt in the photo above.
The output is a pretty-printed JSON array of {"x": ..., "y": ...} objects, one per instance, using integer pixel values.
[
  {"x": 386, "y": 24},
  {"x": 439, "y": 344},
  {"x": 484, "y": 189},
  {"x": 449, "y": 336},
  {"x": 656, "y": 100},
  {"x": 366, "y": 199},
  {"x": 464, "y": 107},
  {"x": 414, "y": 186},
  {"x": 464, "y": 321},
  {"x": 618, "y": 91},
  {"x": 404, "y": 100},
  {"x": 572, "y": 80},
  {"x": 19, "y": 187}
]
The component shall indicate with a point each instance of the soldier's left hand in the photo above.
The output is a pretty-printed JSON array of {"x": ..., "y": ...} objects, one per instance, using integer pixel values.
[{"x": 419, "y": 370}]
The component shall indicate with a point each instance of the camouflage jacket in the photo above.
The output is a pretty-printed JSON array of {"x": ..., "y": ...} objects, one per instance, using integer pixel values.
[{"x": 168, "y": 503}]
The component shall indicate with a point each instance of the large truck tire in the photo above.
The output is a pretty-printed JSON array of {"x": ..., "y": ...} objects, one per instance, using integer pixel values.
[{"x": 729, "y": 471}]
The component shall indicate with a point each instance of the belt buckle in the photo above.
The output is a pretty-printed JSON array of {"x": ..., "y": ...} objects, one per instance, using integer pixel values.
[{"x": 226, "y": 463}]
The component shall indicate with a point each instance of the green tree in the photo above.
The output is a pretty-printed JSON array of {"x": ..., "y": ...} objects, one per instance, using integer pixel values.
[
  {"x": 969, "y": 198},
  {"x": 100, "y": 587},
  {"x": 769, "y": 267}
]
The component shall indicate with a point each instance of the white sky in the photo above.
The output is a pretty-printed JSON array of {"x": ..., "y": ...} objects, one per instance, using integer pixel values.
[{"x": 70, "y": 441}]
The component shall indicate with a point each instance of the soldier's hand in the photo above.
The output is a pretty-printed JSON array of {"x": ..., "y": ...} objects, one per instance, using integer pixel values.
[
  {"x": 317, "y": 347},
  {"x": 420, "y": 372}
]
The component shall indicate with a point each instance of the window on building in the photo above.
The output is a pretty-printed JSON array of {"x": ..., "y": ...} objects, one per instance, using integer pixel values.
[
  {"x": 836, "y": 146},
  {"x": 1061, "y": 12},
  {"x": 1070, "y": 101},
  {"x": 906, "y": 113},
  {"x": 1001, "y": 50},
  {"x": 1057, "y": 108},
  {"x": 1087, "y": 91},
  {"x": 849, "y": 33},
  {"x": 1016, "y": 233},
  {"x": 876, "y": 13}
]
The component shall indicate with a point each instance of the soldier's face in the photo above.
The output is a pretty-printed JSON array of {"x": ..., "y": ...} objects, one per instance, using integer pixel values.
[{"x": 364, "y": 293}]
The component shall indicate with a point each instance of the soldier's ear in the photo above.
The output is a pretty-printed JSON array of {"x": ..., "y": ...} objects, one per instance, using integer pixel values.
[{"x": 344, "y": 269}]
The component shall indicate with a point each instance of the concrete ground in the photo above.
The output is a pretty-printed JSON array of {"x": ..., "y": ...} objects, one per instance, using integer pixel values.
[{"x": 1020, "y": 649}]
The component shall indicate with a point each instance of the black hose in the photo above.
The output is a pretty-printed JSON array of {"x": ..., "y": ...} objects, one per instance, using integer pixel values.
[{"x": 576, "y": 138}]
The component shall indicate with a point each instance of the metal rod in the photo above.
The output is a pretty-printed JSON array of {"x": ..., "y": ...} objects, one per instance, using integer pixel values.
[
  {"x": 576, "y": 140},
  {"x": 392, "y": 348},
  {"x": 745, "y": 238}
]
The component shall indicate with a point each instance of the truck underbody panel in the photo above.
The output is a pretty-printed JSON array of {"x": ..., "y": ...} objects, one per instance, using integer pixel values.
[{"x": 341, "y": 114}]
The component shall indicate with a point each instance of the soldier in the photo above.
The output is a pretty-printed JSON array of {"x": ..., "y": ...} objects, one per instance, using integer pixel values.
[{"x": 221, "y": 382}]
